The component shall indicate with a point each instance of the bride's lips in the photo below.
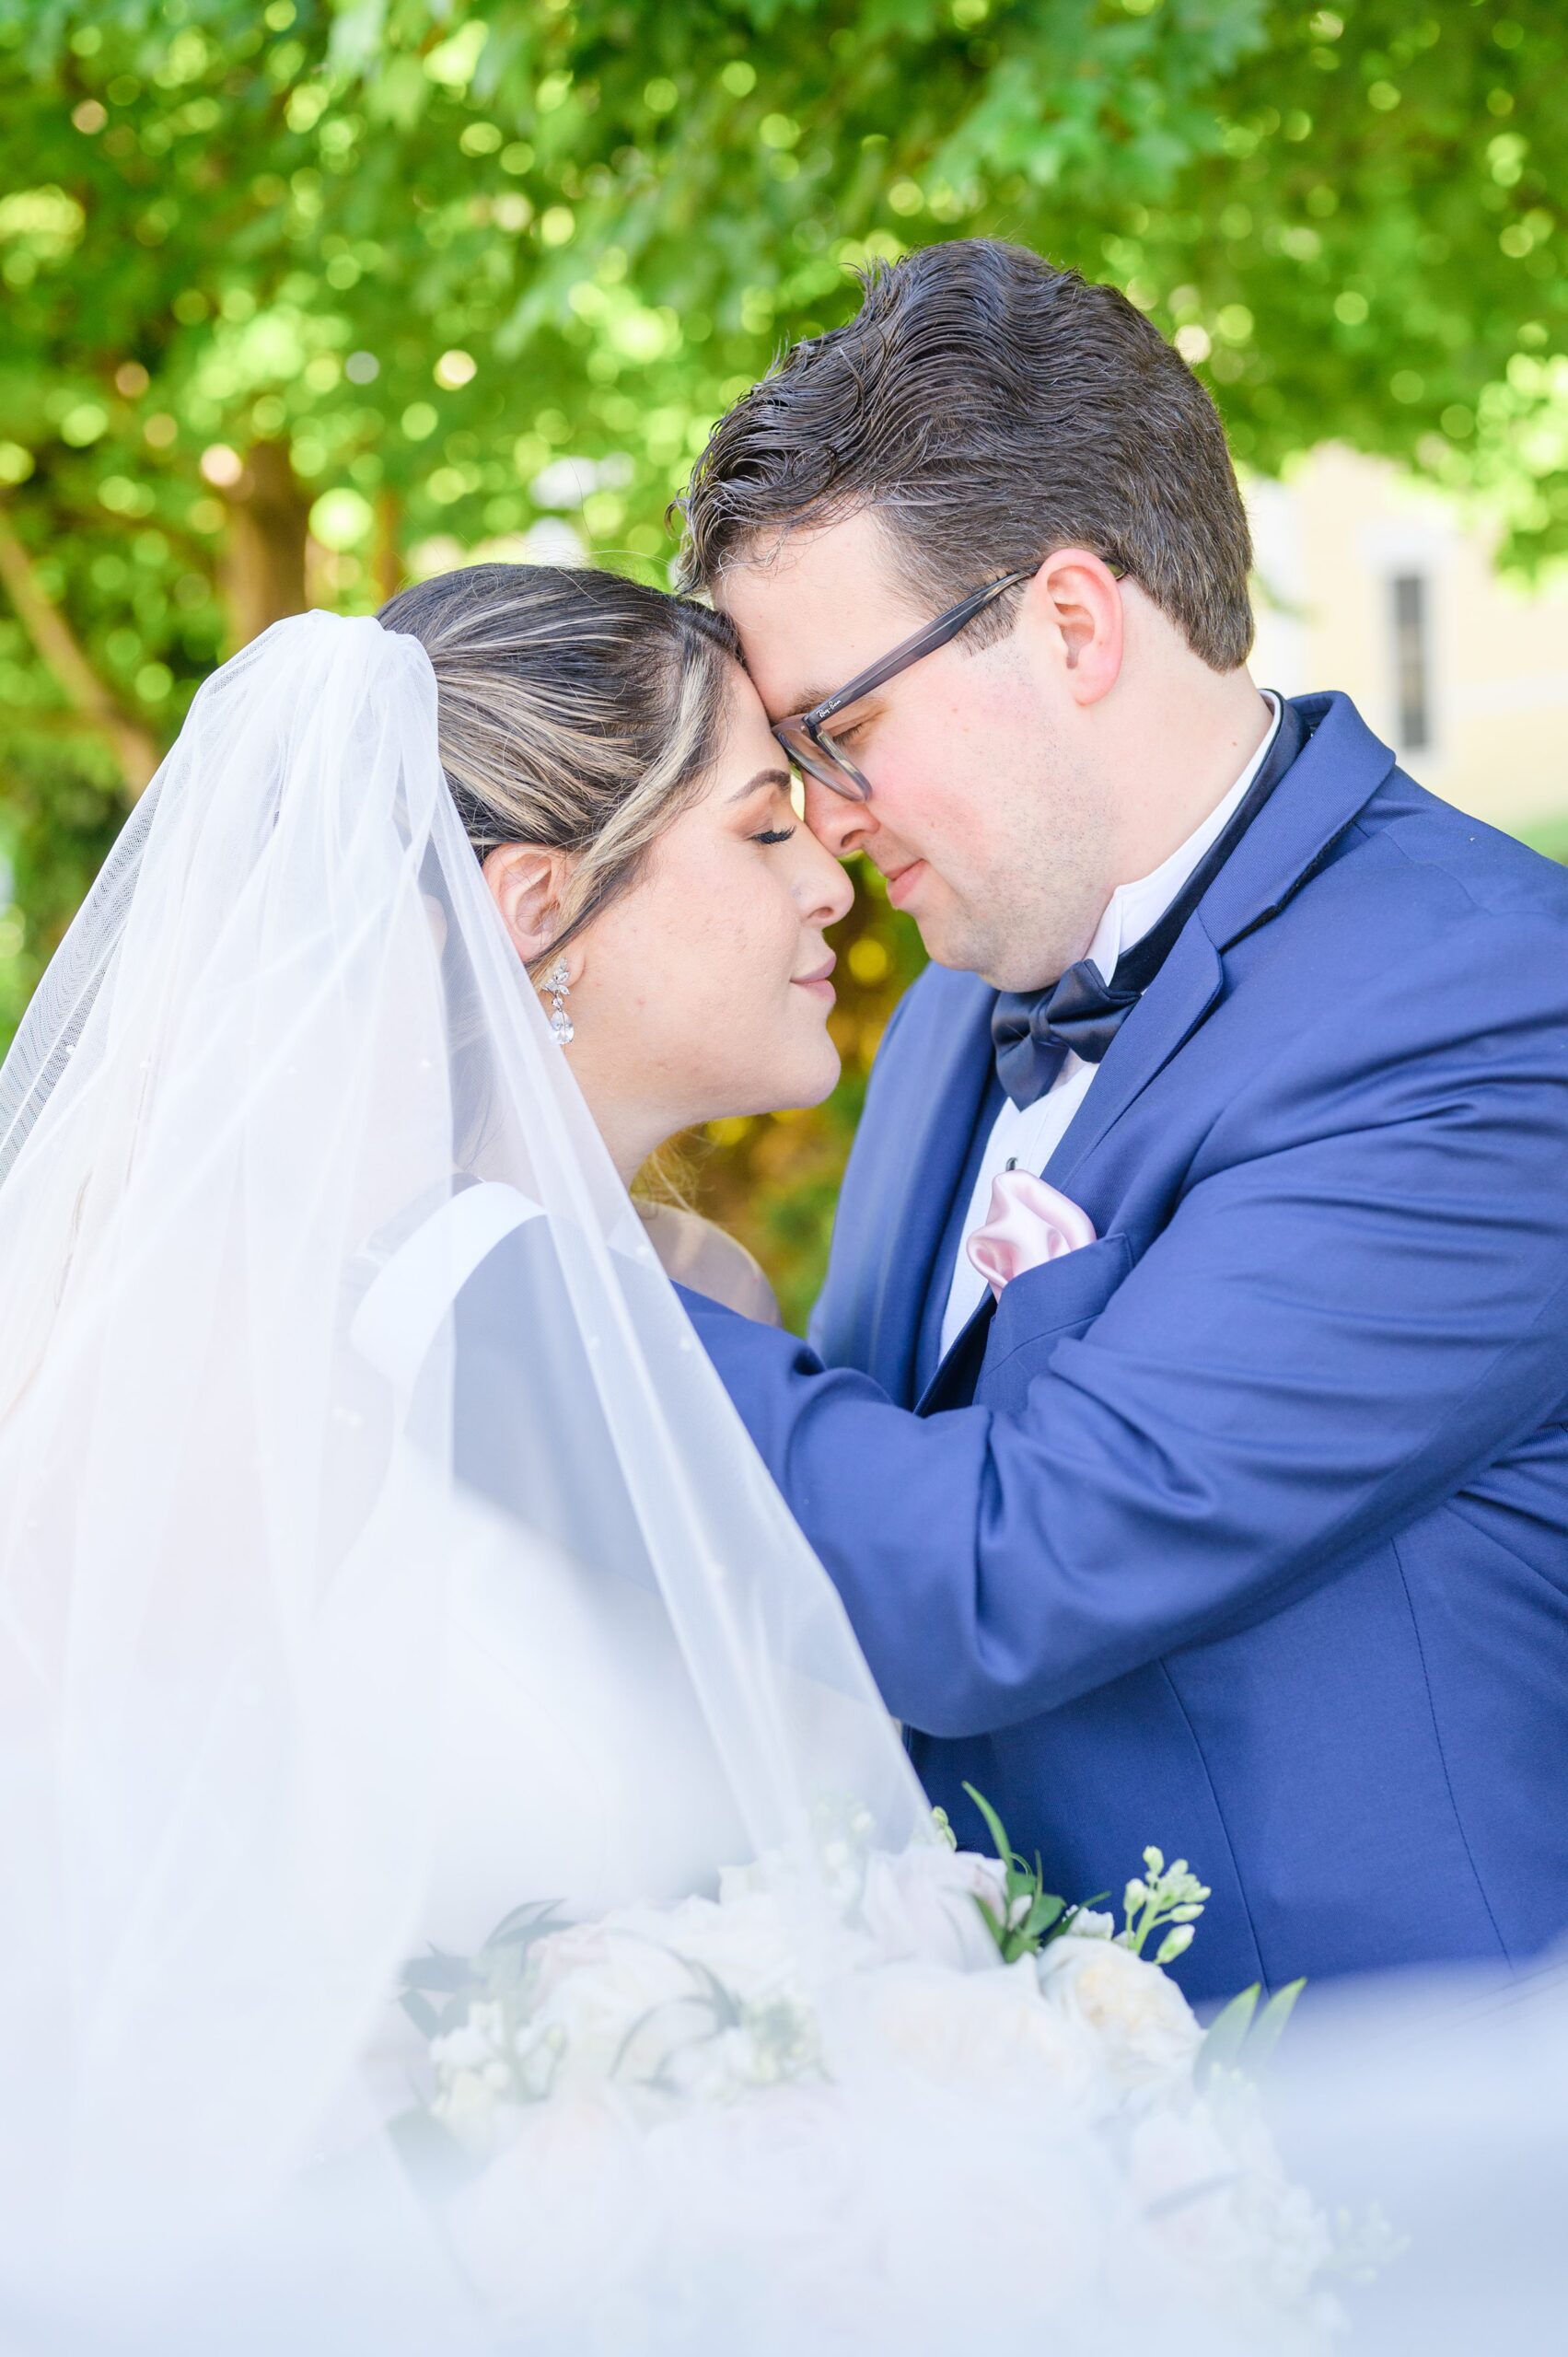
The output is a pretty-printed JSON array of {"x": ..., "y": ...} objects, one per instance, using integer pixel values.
[
  {"x": 817, "y": 982},
  {"x": 903, "y": 880}
]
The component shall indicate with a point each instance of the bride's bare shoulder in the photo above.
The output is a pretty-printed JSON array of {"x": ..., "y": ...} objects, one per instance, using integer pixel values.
[{"x": 708, "y": 1260}]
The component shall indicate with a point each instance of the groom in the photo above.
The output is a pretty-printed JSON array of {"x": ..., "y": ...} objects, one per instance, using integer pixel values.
[{"x": 1242, "y": 1525}]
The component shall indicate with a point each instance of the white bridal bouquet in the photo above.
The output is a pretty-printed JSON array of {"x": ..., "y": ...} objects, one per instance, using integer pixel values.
[{"x": 754, "y": 2123}]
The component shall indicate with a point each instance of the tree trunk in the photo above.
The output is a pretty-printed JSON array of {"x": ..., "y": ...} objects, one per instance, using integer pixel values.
[
  {"x": 58, "y": 646},
  {"x": 388, "y": 563},
  {"x": 263, "y": 566}
]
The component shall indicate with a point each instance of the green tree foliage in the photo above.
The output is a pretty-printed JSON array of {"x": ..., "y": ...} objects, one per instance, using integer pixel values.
[{"x": 300, "y": 296}]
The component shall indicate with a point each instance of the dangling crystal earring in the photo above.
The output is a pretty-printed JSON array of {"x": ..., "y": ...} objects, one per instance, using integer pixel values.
[{"x": 556, "y": 983}]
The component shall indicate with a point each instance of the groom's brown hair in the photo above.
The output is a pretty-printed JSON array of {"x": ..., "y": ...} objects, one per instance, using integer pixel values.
[{"x": 990, "y": 408}]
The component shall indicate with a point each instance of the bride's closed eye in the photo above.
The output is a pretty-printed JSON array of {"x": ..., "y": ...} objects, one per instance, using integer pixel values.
[{"x": 774, "y": 835}]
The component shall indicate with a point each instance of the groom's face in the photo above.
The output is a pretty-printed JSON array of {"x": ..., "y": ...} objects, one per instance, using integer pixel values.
[{"x": 984, "y": 814}]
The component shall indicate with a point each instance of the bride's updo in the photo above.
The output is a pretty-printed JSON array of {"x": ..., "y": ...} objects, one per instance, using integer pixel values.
[{"x": 576, "y": 709}]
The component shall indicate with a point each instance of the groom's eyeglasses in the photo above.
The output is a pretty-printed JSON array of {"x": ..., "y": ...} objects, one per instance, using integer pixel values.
[{"x": 805, "y": 736}]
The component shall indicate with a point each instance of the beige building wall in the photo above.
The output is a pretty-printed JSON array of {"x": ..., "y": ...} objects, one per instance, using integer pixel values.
[{"x": 1369, "y": 582}]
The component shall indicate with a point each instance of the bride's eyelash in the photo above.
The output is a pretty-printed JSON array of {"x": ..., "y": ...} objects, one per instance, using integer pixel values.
[{"x": 774, "y": 835}]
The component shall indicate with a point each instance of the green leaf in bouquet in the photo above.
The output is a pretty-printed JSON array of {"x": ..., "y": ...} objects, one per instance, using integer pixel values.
[
  {"x": 993, "y": 1924},
  {"x": 715, "y": 2003},
  {"x": 1242, "y": 2037},
  {"x": 705, "y": 2028},
  {"x": 1031, "y": 1911},
  {"x": 728, "y": 2009},
  {"x": 448, "y": 1974},
  {"x": 996, "y": 1829},
  {"x": 533, "y": 1921},
  {"x": 1221, "y": 2049},
  {"x": 421, "y": 2013},
  {"x": 455, "y": 2012},
  {"x": 1271, "y": 2023},
  {"x": 1046, "y": 1910}
]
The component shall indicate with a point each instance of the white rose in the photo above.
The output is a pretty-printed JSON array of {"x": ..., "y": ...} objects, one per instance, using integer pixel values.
[
  {"x": 778, "y": 2169},
  {"x": 1144, "y": 2027},
  {"x": 566, "y": 1952},
  {"x": 922, "y": 1903},
  {"x": 742, "y": 1942},
  {"x": 1184, "y": 2176},
  {"x": 642, "y": 1973},
  {"x": 776, "y": 2222},
  {"x": 769, "y": 2046},
  {"x": 594, "y": 2006},
  {"x": 562, "y": 2216},
  {"x": 979, "y": 2032},
  {"x": 1209, "y": 2182}
]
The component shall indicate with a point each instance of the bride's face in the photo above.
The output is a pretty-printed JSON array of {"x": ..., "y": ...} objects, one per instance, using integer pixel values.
[{"x": 704, "y": 990}]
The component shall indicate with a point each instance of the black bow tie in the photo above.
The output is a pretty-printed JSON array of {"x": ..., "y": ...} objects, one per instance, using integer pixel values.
[{"x": 1034, "y": 1031}]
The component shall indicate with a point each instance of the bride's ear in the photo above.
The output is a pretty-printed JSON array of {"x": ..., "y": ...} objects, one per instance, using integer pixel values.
[{"x": 528, "y": 885}]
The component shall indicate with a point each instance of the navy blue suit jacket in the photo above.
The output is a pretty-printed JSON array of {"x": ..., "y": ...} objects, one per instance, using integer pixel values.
[{"x": 1245, "y": 1529}]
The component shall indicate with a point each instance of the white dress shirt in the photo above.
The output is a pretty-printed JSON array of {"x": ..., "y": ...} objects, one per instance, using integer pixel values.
[{"x": 1029, "y": 1136}]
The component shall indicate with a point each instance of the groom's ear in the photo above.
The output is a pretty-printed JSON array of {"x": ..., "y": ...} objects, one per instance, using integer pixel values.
[
  {"x": 528, "y": 885},
  {"x": 1075, "y": 599}
]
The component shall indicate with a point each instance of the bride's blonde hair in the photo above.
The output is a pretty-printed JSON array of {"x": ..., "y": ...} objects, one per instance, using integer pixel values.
[{"x": 576, "y": 709}]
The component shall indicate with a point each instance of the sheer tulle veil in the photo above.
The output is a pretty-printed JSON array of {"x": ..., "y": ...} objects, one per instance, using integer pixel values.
[{"x": 284, "y": 1039}]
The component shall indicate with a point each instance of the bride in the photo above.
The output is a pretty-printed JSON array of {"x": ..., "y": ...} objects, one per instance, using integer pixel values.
[
  {"x": 387, "y": 1590},
  {"x": 618, "y": 779}
]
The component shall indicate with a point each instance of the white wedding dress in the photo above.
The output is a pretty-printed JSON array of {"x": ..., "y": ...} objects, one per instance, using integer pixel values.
[{"x": 379, "y": 1554}]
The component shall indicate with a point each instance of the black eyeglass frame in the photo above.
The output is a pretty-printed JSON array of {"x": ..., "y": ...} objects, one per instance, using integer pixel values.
[{"x": 803, "y": 735}]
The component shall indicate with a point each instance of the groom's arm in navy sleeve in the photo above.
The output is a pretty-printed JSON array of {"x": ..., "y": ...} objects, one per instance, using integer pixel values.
[{"x": 1360, "y": 1301}]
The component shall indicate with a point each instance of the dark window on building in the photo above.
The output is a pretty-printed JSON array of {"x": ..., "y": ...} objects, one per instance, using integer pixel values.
[{"x": 1412, "y": 660}]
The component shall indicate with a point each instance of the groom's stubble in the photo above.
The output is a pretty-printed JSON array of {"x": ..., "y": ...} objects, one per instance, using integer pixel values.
[
  {"x": 1018, "y": 896},
  {"x": 1022, "y": 905}
]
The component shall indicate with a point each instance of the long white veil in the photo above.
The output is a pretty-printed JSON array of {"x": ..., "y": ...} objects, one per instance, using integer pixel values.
[
  {"x": 379, "y": 1554},
  {"x": 286, "y": 1036}
]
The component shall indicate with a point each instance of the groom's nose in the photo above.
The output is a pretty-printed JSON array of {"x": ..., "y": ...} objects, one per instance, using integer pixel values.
[{"x": 840, "y": 825}]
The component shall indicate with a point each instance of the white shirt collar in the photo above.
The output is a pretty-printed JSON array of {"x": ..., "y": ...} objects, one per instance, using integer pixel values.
[{"x": 1133, "y": 909}]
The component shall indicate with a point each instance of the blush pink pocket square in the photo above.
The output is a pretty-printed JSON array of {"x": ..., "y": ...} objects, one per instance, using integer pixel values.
[{"x": 1029, "y": 1223}]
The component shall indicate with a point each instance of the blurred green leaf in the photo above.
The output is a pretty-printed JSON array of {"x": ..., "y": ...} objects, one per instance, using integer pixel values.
[
  {"x": 1271, "y": 2023},
  {"x": 1227, "y": 2032}
]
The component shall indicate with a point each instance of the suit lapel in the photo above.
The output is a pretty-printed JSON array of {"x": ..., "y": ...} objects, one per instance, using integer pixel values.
[
  {"x": 1186, "y": 987},
  {"x": 1339, "y": 769},
  {"x": 1169, "y": 1012},
  {"x": 1323, "y": 794},
  {"x": 952, "y": 1383},
  {"x": 945, "y": 1065}
]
